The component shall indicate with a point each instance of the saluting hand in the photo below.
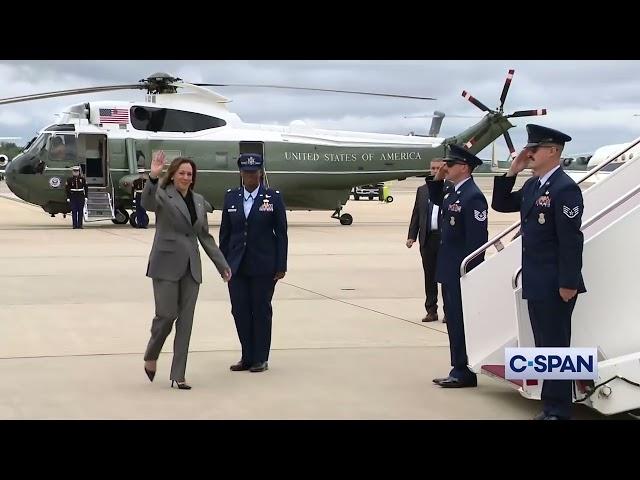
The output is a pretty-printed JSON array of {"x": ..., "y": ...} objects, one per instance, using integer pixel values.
[
  {"x": 442, "y": 172},
  {"x": 279, "y": 276},
  {"x": 519, "y": 163},
  {"x": 567, "y": 293},
  {"x": 157, "y": 164}
]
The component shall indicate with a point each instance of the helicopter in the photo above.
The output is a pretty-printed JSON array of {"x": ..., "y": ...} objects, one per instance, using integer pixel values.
[{"x": 314, "y": 168}]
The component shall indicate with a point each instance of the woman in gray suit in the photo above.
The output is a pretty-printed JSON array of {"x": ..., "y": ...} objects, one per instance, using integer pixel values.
[{"x": 174, "y": 262}]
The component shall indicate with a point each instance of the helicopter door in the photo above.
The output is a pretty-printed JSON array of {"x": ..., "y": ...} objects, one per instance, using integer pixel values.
[
  {"x": 256, "y": 147},
  {"x": 92, "y": 151}
]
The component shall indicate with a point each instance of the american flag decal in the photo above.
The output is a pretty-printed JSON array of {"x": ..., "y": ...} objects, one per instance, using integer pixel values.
[{"x": 114, "y": 115}]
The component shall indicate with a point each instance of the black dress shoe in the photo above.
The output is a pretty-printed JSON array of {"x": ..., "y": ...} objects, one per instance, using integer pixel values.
[
  {"x": 239, "y": 367},
  {"x": 453, "y": 382},
  {"x": 441, "y": 379},
  {"x": 431, "y": 317},
  {"x": 259, "y": 367}
]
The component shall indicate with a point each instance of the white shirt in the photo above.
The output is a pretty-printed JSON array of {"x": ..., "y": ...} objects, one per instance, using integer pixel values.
[
  {"x": 434, "y": 217},
  {"x": 248, "y": 199},
  {"x": 458, "y": 185},
  {"x": 546, "y": 176}
]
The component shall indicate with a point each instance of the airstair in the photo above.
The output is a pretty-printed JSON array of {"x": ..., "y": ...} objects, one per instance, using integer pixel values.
[
  {"x": 99, "y": 205},
  {"x": 496, "y": 316}
]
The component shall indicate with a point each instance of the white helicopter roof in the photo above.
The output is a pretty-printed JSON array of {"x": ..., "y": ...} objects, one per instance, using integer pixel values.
[{"x": 207, "y": 102}]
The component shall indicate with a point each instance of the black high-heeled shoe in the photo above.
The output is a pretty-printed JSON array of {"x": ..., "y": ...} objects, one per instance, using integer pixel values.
[
  {"x": 181, "y": 386},
  {"x": 150, "y": 373}
]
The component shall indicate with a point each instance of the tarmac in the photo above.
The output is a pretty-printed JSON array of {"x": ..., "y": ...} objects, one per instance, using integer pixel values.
[{"x": 348, "y": 341}]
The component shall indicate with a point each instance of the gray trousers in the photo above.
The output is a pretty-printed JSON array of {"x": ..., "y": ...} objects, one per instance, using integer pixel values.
[{"x": 174, "y": 301}]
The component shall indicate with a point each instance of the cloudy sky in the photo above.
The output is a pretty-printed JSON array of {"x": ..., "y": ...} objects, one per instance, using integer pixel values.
[{"x": 593, "y": 101}]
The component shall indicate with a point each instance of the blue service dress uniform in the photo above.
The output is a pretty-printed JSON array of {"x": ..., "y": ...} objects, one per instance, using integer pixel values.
[
  {"x": 464, "y": 228},
  {"x": 255, "y": 248},
  {"x": 552, "y": 242}
]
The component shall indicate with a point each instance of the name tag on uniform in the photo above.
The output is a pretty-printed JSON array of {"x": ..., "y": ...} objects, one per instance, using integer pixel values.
[{"x": 232, "y": 209}]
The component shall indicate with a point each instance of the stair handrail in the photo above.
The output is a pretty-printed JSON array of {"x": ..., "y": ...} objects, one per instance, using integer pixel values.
[
  {"x": 495, "y": 241},
  {"x": 605, "y": 211},
  {"x": 111, "y": 202}
]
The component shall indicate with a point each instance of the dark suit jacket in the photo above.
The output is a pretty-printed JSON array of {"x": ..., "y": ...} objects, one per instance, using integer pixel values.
[
  {"x": 552, "y": 242},
  {"x": 260, "y": 240},
  {"x": 421, "y": 216},
  {"x": 464, "y": 226}
]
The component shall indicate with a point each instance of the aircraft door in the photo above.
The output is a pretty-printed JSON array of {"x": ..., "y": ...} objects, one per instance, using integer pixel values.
[{"x": 92, "y": 155}]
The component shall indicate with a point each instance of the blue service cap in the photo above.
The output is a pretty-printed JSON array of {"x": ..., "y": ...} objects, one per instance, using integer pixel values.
[
  {"x": 539, "y": 135},
  {"x": 250, "y": 161},
  {"x": 461, "y": 154}
]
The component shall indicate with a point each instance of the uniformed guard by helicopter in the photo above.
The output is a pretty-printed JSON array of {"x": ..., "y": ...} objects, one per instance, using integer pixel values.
[
  {"x": 141, "y": 217},
  {"x": 76, "y": 189}
]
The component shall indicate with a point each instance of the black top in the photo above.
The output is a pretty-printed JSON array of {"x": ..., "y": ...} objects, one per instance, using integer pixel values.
[{"x": 188, "y": 199}]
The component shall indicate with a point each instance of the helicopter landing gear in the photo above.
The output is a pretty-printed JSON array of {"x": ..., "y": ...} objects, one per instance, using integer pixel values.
[
  {"x": 345, "y": 218},
  {"x": 121, "y": 216}
]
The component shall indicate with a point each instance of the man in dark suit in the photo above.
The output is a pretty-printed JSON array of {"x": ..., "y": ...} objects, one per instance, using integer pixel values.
[
  {"x": 253, "y": 239},
  {"x": 464, "y": 229},
  {"x": 550, "y": 205},
  {"x": 425, "y": 227}
]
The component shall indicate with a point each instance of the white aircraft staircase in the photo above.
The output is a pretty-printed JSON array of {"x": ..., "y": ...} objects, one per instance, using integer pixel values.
[
  {"x": 606, "y": 316},
  {"x": 99, "y": 204}
]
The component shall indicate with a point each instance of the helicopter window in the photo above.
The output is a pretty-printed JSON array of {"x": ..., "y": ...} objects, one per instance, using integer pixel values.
[
  {"x": 62, "y": 127},
  {"x": 141, "y": 159},
  {"x": 62, "y": 148},
  {"x": 39, "y": 143},
  {"x": 169, "y": 120}
]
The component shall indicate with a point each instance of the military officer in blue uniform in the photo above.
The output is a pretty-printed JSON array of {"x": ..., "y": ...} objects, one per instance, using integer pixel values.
[
  {"x": 464, "y": 222},
  {"x": 76, "y": 190},
  {"x": 550, "y": 205},
  {"x": 253, "y": 239}
]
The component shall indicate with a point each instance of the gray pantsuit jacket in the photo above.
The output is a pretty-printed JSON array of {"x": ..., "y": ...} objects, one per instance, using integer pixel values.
[{"x": 176, "y": 240}]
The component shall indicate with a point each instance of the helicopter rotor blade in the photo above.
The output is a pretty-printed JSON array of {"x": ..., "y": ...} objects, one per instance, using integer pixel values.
[
  {"x": 312, "y": 90},
  {"x": 74, "y": 91},
  {"x": 512, "y": 150},
  {"x": 505, "y": 89},
  {"x": 475, "y": 101},
  {"x": 447, "y": 116},
  {"x": 528, "y": 113}
]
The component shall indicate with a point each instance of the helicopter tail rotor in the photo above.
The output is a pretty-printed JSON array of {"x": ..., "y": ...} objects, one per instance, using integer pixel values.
[{"x": 497, "y": 115}]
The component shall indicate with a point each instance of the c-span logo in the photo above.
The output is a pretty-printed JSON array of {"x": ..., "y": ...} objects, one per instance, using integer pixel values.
[{"x": 553, "y": 363}]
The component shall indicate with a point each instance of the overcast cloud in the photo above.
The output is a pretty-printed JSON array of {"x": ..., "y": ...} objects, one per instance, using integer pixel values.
[{"x": 593, "y": 101}]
